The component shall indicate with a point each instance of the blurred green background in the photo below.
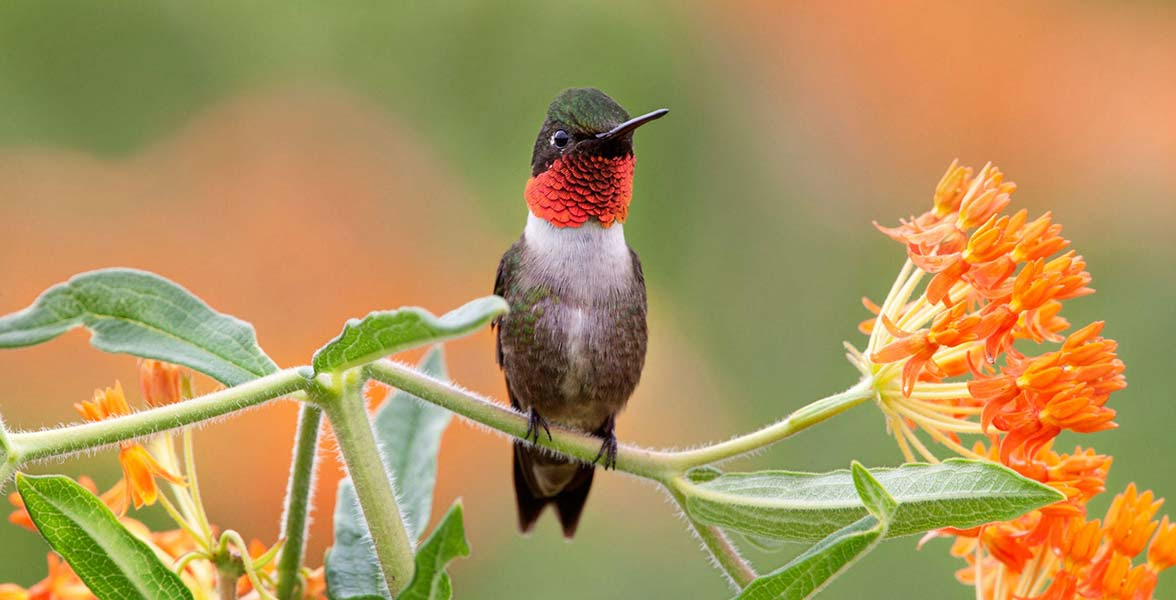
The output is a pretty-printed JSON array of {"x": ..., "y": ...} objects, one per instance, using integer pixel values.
[{"x": 297, "y": 164}]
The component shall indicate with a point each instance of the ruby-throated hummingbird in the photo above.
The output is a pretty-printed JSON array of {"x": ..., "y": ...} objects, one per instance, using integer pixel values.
[{"x": 573, "y": 344}]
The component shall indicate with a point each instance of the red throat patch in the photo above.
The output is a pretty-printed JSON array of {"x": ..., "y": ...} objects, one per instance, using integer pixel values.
[{"x": 578, "y": 187}]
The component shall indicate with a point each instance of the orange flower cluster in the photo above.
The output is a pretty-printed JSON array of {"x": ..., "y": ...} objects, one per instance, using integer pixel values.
[
  {"x": 1055, "y": 553},
  {"x": 993, "y": 280},
  {"x": 942, "y": 356},
  {"x": 161, "y": 383}
]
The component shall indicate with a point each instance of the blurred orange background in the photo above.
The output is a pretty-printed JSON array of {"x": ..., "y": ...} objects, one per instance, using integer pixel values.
[{"x": 299, "y": 165}]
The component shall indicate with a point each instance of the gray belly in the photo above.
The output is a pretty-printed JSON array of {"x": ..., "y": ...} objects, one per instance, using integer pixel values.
[{"x": 575, "y": 363}]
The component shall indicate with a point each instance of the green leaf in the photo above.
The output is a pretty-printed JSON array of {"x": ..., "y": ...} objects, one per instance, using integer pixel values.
[
  {"x": 806, "y": 506},
  {"x": 877, "y": 500},
  {"x": 386, "y": 332},
  {"x": 143, "y": 314},
  {"x": 111, "y": 561},
  {"x": 409, "y": 433},
  {"x": 765, "y": 544},
  {"x": 446, "y": 543},
  {"x": 810, "y": 572}
]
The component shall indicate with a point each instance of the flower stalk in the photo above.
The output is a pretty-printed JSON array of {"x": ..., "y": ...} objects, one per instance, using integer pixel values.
[
  {"x": 739, "y": 572},
  {"x": 298, "y": 500},
  {"x": 32, "y": 446},
  {"x": 345, "y": 408}
]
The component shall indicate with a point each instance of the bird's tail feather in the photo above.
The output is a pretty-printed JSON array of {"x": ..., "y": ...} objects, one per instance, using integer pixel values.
[{"x": 534, "y": 470}]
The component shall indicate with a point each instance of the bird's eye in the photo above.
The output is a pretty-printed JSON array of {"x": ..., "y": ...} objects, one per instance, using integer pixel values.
[{"x": 560, "y": 138}]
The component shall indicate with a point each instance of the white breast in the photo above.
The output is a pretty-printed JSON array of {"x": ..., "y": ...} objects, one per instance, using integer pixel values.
[{"x": 589, "y": 261}]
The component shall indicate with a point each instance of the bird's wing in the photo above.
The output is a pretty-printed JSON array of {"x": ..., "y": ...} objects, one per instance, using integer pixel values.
[{"x": 503, "y": 281}]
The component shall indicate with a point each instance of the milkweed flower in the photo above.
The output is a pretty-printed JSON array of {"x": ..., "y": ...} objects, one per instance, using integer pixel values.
[
  {"x": 160, "y": 382},
  {"x": 140, "y": 468},
  {"x": 1074, "y": 560},
  {"x": 958, "y": 347},
  {"x": 941, "y": 347}
]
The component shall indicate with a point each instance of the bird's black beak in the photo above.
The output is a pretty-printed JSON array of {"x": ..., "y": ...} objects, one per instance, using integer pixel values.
[{"x": 631, "y": 124}]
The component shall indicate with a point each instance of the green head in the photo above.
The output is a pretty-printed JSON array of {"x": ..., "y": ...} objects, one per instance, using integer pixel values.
[{"x": 585, "y": 120}]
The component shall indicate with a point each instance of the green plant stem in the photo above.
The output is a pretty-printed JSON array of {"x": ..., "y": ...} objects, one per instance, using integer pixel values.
[
  {"x": 738, "y": 570},
  {"x": 6, "y": 466},
  {"x": 651, "y": 464},
  {"x": 51, "y": 443},
  {"x": 298, "y": 500},
  {"x": 226, "y": 584},
  {"x": 373, "y": 487},
  {"x": 801, "y": 419},
  {"x": 658, "y": 465}
]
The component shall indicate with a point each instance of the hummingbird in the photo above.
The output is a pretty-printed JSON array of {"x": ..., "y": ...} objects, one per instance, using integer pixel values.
[{"x": 573, "y": 344}]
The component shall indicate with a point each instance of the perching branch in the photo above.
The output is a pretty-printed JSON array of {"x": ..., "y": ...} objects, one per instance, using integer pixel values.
[{"x": 659, "y": 465}]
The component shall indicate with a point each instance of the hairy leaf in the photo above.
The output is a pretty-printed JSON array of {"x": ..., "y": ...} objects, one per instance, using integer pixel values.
[
  {"x": 446, "y": 543},
  {"x": 112, "y": 562},
  {"x": 386, "y": 332},
  {"x": 143, "y": 314},
  {"x": 808, "y": 507},
  {"x": 409, "y": 434},
  {"x": 808, "y": 573}
]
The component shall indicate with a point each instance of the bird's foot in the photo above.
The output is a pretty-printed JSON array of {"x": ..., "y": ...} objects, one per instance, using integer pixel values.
[
  {"x": 535, "y": 422},
  {"x": 608, "y": 451},
  {"x": 608, "y": 448}
]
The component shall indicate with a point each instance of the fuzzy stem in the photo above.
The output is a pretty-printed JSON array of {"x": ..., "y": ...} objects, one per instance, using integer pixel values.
[
  {"x": 738, "y": 571},
  {"x": 801, "y": 419},
  {"x": 658, "y": 465},
  {"x": 298, "y": 501},
  {"x": 347, "y": 413},
  {"x": 651, "y": 464},
  {"x": 50, "y": 443}
]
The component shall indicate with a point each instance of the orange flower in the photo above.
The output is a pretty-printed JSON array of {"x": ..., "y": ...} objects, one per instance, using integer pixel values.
[
  {"x": 139, "y": 468},
  {"x": 1162, "y": 552},
  {"x": 976, "y": 281},
  {"x": 139, "y": 472},
  {"x": 160, "y": 382},
  {"x": 106, "y": 404}
]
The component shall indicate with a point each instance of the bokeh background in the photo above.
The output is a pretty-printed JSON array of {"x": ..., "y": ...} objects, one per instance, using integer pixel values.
[{"x": 298, "y": 164}]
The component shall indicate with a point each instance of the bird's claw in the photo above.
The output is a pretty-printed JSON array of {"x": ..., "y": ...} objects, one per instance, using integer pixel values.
[
  {"x": 608, "y": 450},
  {"x": 534, "y": 422}
]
